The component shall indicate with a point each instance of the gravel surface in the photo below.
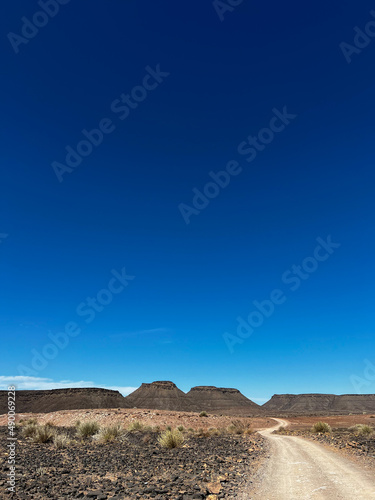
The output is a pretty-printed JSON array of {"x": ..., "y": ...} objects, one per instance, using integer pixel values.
[{"x": 137, "y": 467}]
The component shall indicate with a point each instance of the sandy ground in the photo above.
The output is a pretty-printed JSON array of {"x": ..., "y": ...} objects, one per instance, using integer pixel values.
[
  {"x": 343, "y": 421},
  {"x": 299, "y": 469},
  {"x": 124, "y": 416}
]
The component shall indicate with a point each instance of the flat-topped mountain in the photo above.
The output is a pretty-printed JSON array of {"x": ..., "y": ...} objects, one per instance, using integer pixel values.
[
  {"x": 45, "y": 401},
  {"x": 160, "y": 395},
  {"x": 213, "y": 398},
  {"x": 322, "y": 403},
  {"x": 165, "y": 395}
]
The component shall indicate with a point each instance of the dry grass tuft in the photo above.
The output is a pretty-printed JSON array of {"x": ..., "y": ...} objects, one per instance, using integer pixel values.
[
  {"x": 171, "y": 439},
  {"x": 43, "y": 434},
  {"x": 61, "y": 440},
  {"x": 363, "y": 429},
  {"x": 29, "y": 430},
  {"x": 87, "y": 429},
  {"x": 135, "y": 426},
  {"x": 322, "y": 427},
  {"x": 239, "y": 427},
  {"x": 108, "y": 434}
]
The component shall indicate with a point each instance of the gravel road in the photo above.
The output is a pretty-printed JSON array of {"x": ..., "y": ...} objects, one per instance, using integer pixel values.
[{"x": 301, "y": 470}]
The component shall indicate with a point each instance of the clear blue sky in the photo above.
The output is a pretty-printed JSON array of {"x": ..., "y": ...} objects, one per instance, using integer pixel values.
[{"x": 213, "y": 84}]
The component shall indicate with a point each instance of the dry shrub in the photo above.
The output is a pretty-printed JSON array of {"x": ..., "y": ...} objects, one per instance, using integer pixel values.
[
  {"x": 171, "y": 439},
  {"x": 87, "y": 429},
  {"x": 249, "y": 430},
  {"x": 29, "y": 421},
  {"x": 61, "y": 440},
  {"x": 363, "y": 429},
  {"x": 203, "y": 432},
  {"x": 135, "y": 426},
  {"x": 43, "y": 434},
  {"x": 29, "y": 430},
  {"x": 239, "y": 427},
  {"x": 322, "y": 427},
  {"x": 108, "y": 434}
]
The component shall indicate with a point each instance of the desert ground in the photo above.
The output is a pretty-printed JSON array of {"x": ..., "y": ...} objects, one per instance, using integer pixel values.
[
  {"x": 221, "y": 456},
  {"x": 298, "y": 468},
  {"x": 217, "y": 458}
]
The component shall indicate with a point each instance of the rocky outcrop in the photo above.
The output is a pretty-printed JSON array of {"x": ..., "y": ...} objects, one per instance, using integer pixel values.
[
  {"x": 212, "y": 398},
  {"x": 63, "y": 399},
  {"x": 160, "y": 395},
  {"x": 321, "y": 403}
]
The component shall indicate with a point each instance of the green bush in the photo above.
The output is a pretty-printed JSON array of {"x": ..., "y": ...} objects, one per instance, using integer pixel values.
[
  {"x": 321, "y": 427},
  {"x": 203, "y": 414},
  {"x": 181, "y": 428},
  {"x": 87, "y": 429},
  {"x": 171, "y": 439}
]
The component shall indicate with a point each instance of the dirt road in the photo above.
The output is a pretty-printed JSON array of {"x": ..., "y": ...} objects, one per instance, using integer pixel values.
[{"x": 301, "y": 470}]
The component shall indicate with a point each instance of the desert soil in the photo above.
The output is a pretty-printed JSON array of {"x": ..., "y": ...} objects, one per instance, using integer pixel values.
[
  {"x": 137, "y": 467},
  {"x": 300, "y": 469},
  {"x": 125, "y": 416}
]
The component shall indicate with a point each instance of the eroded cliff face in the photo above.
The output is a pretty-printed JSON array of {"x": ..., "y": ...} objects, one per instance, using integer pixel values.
[
  {"x": 160, "y": 395},
  {"x": 321, "y": 403},
  {"x": 63, "y": 399},
  {"x": 220, "y": 398},
  {"x": 161, "y": 384}
]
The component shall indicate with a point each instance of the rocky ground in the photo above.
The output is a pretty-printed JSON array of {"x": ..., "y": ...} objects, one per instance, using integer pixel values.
[
  {"x": 345, "y": 439},
  {"x": 125, "y": 416},
  {"x": 135, "y": 467}
]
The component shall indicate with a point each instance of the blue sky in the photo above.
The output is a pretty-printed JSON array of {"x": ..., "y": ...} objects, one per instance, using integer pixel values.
[{"x": 211, "y": 89}]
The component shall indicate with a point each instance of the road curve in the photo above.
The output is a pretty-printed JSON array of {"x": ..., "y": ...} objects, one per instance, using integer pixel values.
[{"x": 299, "y": 469}]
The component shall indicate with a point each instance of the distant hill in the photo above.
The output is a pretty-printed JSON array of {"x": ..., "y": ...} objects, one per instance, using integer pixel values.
[
  {"x": 63, "y": 399},
  {"x": 165, "y": 395},
  {"x": 160, "y": 395},
  {"x": 321, "y": 403},
  {"x": 213, "y": 398}
]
